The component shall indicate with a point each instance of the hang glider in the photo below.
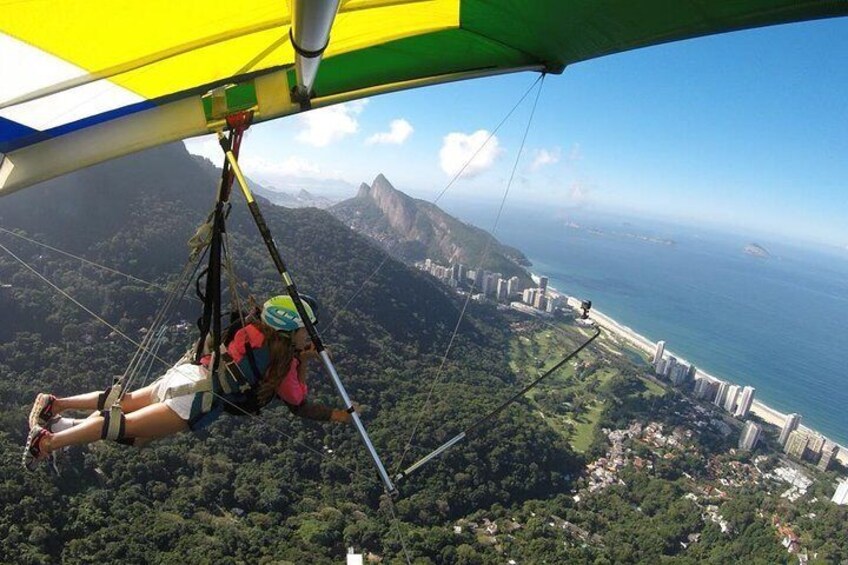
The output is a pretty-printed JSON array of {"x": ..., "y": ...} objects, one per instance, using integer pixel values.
[{"x": 84, "y": 81}]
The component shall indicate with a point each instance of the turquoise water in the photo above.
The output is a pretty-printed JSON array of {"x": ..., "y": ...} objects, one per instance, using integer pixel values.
[{"x": 779, "y": 324}]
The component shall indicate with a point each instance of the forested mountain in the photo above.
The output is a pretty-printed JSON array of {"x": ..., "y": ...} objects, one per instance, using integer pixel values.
[
  {"x": 254, "y": 490},
  {"x": 415, "y": 230}
]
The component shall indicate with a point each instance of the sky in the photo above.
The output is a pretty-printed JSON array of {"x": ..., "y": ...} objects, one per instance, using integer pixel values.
[{"x": 745, "y": 131}]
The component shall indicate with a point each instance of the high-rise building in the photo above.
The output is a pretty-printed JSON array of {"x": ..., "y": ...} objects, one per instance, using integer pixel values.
[
  {"x": 489, "y": 285},
  {"x": 512, "y": 286},
  {"x": 692, "y": 372},
  {"x": 661, "y": 366},
  {"x": 745, "y": 401},
  {"x": 815, "y": 446},
  {"x": 829, "y": 452},
  {"x": 668, "y": 364},
  {"x": 841, "y": 495},
  {"x": 463, "y": 273},
  {"x": 658, "y": 353},
  {"x": 730, "y": 401},
  {"x": 789, "y": 426},
  {"x": 679, "y": 375},
  {"x": 796, "y": 444},
  {"x": 750, "y": 435},
  {"x": 705, "y": 389},
  {"x": 543, "y": 285},
  {"x": 529, "y": 296},
  {"x": 721, "y": 394},
  {"x": 540, "y": 301},
  {"x": 501, "y": 290},
  {"x": 479, "y": 275}
]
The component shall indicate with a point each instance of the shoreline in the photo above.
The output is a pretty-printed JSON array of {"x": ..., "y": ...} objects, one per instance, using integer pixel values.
[{"x": 758, "y": 408}]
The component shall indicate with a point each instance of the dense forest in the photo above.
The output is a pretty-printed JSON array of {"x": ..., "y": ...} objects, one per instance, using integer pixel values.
[
  {"x": 275, "y": 489},
  {"x": 251, "y": 489}
]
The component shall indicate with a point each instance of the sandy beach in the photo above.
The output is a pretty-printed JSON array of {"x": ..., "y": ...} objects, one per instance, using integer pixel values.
[{"x": 761, "y": 410}]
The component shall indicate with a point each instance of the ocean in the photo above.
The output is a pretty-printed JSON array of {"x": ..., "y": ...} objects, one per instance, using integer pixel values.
[{"x": 779, "y": 324}]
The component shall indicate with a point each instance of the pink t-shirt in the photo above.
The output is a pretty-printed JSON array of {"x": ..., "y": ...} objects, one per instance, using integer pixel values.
[
  {"x": 291, "y": 389},
  {"x": 238, "y": 346}
]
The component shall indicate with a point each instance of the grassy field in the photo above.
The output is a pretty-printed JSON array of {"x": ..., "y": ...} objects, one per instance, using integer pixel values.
[{"x": 569, "y": 403}]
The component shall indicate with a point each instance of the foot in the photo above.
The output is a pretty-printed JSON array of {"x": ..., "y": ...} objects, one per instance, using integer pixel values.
[
  {"x": 55, "y": 425},
  {"x": 36, "y": 449},
  {"x": 42, "y": 410},
  {"x": 58, "y": 424}
]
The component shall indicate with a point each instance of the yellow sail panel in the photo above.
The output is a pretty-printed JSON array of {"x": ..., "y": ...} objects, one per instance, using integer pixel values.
[
  {"x": 362, "y": 28},
  {"x": 162, "y": 47},
  {"x": 96, "y": 35}
]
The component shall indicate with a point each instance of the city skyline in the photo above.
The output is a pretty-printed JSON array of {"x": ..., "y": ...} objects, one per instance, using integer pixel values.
[{"x": 737, "y": 400}]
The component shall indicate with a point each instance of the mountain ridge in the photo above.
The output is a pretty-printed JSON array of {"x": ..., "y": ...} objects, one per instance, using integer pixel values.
[{"x": 414, "y": 230}]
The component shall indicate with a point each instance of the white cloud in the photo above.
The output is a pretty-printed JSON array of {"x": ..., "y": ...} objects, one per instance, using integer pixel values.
[
  {"x": 324, "y": 126},
  {"x": 399, "y": 131},
  {"x": 206, "y": 146},
  {"x": 458, "y": 148},
  {"x": 262, "y": 168},
  {"x": 545, "y": 157},
  {"x": 293, "y": 165}
]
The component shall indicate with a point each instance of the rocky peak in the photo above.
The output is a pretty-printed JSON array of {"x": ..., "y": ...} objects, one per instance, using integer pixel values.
[
  {"x": 415, "y": 230},
  {"x": 364, "y": 191},
  {"x": 400, "y": 210}
]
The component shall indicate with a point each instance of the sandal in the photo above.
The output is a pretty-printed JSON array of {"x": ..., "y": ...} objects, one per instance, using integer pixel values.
[
  {"x": 42, "y": 410},
  {"x": 34, "y": 451}
]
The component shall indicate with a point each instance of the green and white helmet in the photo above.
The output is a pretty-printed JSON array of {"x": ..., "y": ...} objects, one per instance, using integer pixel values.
[{"x": 280, "y": 312}]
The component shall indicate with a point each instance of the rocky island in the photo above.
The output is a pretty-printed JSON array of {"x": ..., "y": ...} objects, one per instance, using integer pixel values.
[{"x": 756, "y": 250}]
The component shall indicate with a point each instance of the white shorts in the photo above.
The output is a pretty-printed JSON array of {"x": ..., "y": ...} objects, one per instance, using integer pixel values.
[{"x": 178, "y": 376}]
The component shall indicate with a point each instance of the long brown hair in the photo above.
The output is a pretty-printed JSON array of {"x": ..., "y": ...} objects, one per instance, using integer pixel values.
[{"x": 281, "y": 348}]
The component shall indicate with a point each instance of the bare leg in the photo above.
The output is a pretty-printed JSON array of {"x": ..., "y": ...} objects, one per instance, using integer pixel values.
[
  {"x": 131, "y": 402},
  {"x": 138, "y": 399},
  {"x": 87, "y": 401},
  {"x": 153, "y": 421}
]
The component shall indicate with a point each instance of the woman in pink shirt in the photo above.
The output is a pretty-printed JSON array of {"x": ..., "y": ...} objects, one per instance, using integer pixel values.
[{"x": 267, "y": 357}]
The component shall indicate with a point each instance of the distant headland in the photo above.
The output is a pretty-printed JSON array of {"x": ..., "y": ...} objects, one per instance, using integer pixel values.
[{"x": 756, "y": 250}]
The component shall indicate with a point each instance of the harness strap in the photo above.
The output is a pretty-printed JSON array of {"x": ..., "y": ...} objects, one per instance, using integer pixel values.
[
  {"x": 208, "y": 382},
  {"x": 107, "y": 399},
  {"x": 200, "y": 385},
  {"x": 251, "y": 360},
  {"x": 114, "y": 423}
]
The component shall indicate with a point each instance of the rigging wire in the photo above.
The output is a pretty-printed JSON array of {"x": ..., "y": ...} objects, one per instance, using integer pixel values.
[
  {"x": 87, "y": 261},
  {"x": 450, "y": 183},
  {"x": 231, "y": 278},
  {"x": 163, "y": 315},
  {"x": 500, "y": 408},
  {"x": 541, "y": 82},
  {"x": 69, "y": 297},
  {"x": 396, "y": 523},
  {"x": 540, "y": 78}
]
